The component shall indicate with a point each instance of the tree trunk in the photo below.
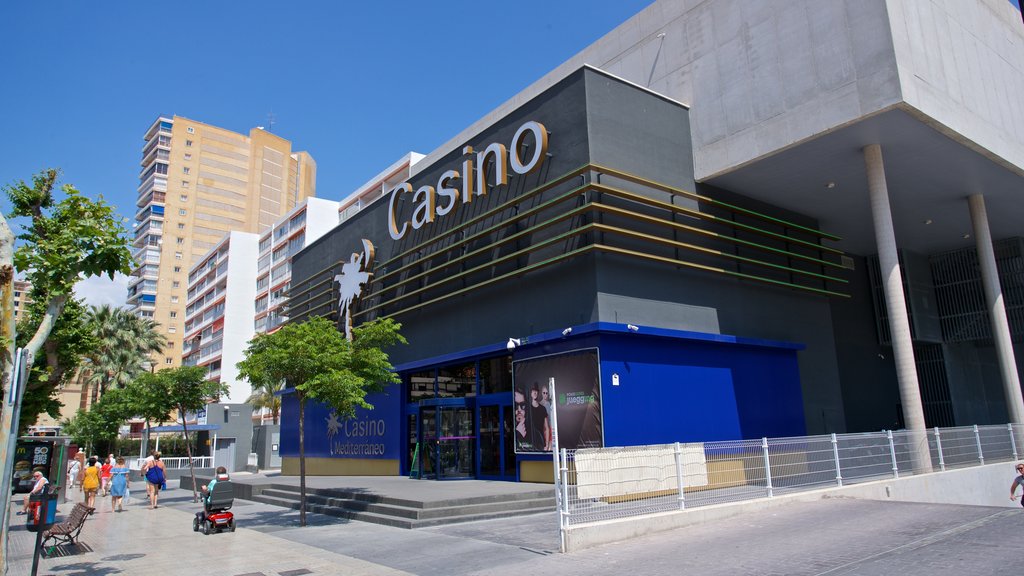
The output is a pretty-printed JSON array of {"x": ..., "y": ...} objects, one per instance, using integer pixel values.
[
  {"x": 7, "y": 360},
  {"x": 188, "y": 451},
  {"x": 302, "y": 459}
]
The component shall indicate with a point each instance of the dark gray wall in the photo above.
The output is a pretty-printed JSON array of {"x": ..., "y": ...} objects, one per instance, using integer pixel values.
[
  {"x": 870, "y": 390},
  {"x": 595, "y": 118}
]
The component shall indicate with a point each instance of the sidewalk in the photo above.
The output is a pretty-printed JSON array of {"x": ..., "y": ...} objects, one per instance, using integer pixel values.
[{"x": 161, "y": 541}]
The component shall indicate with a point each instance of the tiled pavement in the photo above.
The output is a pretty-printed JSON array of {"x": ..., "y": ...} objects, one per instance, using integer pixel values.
[{"x": 832, "y": 536}]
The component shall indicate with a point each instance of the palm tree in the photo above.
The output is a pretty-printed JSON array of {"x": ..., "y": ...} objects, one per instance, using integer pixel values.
[
  {"x": 263, "y": 397},
  {"x": 124, "y": 343}
]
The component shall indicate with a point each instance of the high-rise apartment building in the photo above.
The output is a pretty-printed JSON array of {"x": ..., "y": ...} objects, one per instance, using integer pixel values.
[
  {"x": 199, "y": 182},
  {"x": 22, "y": 298},
  {"x": 219, "y": 313},
  {"x": 301, "y": 226}
]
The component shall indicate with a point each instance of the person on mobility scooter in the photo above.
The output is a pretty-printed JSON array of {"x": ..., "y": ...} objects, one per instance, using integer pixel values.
[{"x": 218, "y": 496}]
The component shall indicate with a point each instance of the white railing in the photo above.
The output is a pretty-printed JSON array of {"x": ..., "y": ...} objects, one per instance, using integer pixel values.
[
  {"x": 176, "y": 463},
  {"x": 597, "y": 484}
]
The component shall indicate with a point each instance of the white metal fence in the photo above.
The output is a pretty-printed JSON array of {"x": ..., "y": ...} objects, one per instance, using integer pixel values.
[
  {"x": 597, "y": 484},
  {"x": 176, "y": 463}
]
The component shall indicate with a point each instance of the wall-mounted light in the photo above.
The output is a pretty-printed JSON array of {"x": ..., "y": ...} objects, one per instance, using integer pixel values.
[
  {"x": 632, "y": 327},
  {"x": 567, "y": 331},
  {"x": 512, "y": 344}
]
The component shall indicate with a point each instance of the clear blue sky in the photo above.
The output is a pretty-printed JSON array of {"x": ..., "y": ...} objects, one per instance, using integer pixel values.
[{"x": 356, "y": 84}]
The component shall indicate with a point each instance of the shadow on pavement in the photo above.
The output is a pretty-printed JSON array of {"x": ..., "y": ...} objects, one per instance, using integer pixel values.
[
  {"x": 281, "y": 519},
  {"x": 85, "y": 569}
]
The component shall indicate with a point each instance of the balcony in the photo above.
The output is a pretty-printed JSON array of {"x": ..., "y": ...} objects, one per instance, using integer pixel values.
[
  {"x": 152, "y": 195},
  {"x": 161, "y": 125},
  {"x": 154, "y": 182},
  {"x": 155, "y": 153}
]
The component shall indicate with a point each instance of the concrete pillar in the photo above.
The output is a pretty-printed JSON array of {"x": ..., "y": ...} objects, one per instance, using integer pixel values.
[
  {"x": 996, "y": 309},
  {"x": 895, "y": 301}
]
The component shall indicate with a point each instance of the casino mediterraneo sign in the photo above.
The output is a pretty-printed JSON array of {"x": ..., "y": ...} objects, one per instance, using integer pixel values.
[{"x": 431, "y": 202}]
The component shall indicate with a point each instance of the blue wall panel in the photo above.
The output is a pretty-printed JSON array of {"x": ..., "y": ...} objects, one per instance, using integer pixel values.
[
  {"x": 371, "y": 434},
  {"x": 688, "y": 390}
]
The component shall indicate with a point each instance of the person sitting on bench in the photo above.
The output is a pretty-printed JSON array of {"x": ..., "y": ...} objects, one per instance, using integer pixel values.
[{"x": 37, "y": 488}]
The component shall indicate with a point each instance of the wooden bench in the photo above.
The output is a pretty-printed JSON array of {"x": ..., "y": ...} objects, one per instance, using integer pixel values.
[{"x": 67, "y": 531}]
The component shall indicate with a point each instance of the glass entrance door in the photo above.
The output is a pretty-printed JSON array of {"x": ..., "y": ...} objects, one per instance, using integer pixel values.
[
  {"x": 456, "y": 443},
  {"x": 447, "y": 442},
  {"x": 497, "y": 454}
]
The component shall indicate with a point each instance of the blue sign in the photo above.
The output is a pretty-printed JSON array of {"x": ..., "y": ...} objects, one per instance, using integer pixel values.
[{"x": 372, "y": 434}]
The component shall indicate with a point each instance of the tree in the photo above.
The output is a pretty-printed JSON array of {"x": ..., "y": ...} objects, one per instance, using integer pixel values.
[
  {"x": 124, "y": 343},
  {"x": 62, "y": 241},
  {"x": 317, "y": 362},
  {"x": 56, "y": 362},
  {"x": 265, "y": 396},
  {"x": 184, "y": 389}
]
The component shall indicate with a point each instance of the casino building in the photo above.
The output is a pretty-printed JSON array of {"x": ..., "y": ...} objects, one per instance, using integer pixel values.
[{"x": 720, "y": 221}]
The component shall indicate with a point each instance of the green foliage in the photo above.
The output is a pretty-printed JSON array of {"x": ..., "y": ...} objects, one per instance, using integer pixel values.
[
  {"x": 123, "y": 346},
  {"x": 56, "y": 361},
  {"x": 67, "y": 238},
  {"x": 63, "y": 241},
  {"x": 264, "y": 396},
  {"x": 154, "y": 396},
  {"x": 317, "y": 360}
]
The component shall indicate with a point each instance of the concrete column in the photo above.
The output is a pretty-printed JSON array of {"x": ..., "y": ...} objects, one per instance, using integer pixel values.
[
  {"x": 895, "y": 301},
  {"x": 996, "y": 309}
]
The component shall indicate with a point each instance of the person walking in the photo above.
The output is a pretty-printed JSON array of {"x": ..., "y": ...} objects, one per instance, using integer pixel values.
[
  {"x": 155, "y": 478},
  {"x": 74, "y": 469},
  {"x": 1018, "y": 481},
  {"x": 118, "y": 485},
  {"x": 108, "y": 465},
  {"x": 91, "y": 482}
]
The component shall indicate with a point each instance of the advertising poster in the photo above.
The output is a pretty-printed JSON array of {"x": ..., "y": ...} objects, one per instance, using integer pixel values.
[
  {"x": 29, "y": 457},
  {"x": 578, "y": 402}
]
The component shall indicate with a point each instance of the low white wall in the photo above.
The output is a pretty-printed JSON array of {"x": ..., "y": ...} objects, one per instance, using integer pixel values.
[{"x": 979, "y": 486}]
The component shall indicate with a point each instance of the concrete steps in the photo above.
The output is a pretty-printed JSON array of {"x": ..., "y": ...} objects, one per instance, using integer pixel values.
[{"x": 405, "y": 513}]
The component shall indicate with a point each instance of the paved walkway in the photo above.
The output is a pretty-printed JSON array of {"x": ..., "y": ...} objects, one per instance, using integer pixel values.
[{"x": 837, "y": 537}]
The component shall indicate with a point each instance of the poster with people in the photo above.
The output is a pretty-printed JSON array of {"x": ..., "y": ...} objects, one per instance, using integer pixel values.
[{"x": 578, "y": 402}]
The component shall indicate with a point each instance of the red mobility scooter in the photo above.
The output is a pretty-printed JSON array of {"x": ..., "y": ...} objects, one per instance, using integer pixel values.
[{"x": 216, "y": 515}]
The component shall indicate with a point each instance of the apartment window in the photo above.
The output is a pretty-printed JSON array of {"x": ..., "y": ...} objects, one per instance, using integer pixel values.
[
  {"x": 174, "y": 314},
  {"x": 175, "y": 284},
  {"x": 188, "y": 143},
  {"x": 172, "y": 330},
  {"x": 177, "y": 268},
  {"x": 174, "y": 299},
  {"x": 168, "y": 360},
  {"x": 182, "y": 212},
  {"x": 184, "y": 184},
  {"x": 185, "y": 170},
  {"x": 178, "y": 256},
  {"x": 188, "y": 156},
  {"x": 181, "y": 226},
  {"x": 180, "y": 240},
  {"x": 191, "y": 130},
  {"x": 184, "y": 197}
]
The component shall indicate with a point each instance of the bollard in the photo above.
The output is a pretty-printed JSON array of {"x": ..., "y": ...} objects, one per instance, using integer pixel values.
[
  {"x": 679, "y": 477},
  {"x": 835, "y": 454},
  {"x": 977, "y": 438},
  {"x": 892, "y": 453}
]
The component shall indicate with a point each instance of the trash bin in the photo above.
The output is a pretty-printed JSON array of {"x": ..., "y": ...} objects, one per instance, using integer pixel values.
[{"x": 42, "y": 511}]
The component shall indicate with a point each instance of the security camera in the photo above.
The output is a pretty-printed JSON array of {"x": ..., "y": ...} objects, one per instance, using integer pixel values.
[
  {"x": 567, "y": 331},
  {"x": 512, "y": 343},
  {"x": 632, "y": 327}
]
